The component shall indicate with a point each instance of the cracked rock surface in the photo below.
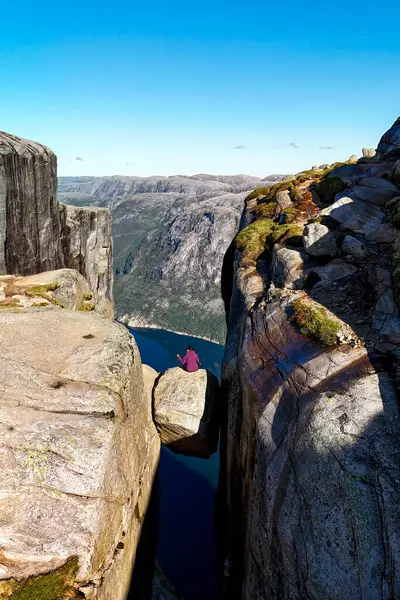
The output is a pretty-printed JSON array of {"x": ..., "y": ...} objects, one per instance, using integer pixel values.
[{"x": 78, "y": 453}]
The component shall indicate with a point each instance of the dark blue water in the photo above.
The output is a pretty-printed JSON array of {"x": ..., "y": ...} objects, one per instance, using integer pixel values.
[{"x": 186, "y": 549}]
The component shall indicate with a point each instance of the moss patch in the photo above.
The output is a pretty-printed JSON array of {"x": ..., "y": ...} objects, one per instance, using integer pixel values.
[
  {"x": 41, "y": 290},
  {"x": 267, "y": 210},
  {"x": 86, "y": 307},
  {"x": 328, "y": 187},
  {"x": 314, "y": 322},
  {"x": 251, "y": 240},
  {"x": 56, "y": 585}
]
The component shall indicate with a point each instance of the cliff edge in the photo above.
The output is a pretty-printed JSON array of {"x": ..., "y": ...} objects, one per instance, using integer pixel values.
[{"x": 310, "y": 470}]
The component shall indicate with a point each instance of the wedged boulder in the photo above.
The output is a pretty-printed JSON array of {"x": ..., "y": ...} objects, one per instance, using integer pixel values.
[
  {"x": 78, "y": 453},
  {"x": 319, "y": 241},
  {"x": 64, "y": 288},
  {"x": 187, "y": 411}
]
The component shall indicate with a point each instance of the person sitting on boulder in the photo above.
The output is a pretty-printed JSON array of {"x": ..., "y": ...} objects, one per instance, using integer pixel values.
[{"x": 190, "y": 361}]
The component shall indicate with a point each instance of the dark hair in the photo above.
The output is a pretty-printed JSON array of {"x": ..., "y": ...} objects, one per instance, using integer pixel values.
[{"x": 190, "y": 348}]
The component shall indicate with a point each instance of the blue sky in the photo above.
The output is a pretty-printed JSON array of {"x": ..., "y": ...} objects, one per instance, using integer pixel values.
[{"x": 140, "y": 88}]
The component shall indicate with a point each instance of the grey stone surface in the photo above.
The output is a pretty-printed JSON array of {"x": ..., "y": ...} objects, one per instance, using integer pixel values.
[
  {"x": 335, "y": 270},
  {"x": 79, "y": 449},
  {"x": 36, "y": 233},
  {"x": 318, "y": 240},
  {"x": 353, "y": 247},
  {"x": 187, "y": 411},
  {"x": 287, "y": 267},
  {"x": 283, "y": 200}
]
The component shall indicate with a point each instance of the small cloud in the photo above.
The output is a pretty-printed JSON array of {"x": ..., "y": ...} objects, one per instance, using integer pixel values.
[
  {"x": 327, "y": 147},
  {"x": 240, "y": 147},
  {"x": 294, "y": 145},
  {"x": 79, "y": 158},
  {"x": 127, "y": 163}
]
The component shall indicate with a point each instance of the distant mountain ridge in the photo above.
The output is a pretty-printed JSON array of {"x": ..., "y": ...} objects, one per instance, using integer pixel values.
[{"x": 170, "y": 237}]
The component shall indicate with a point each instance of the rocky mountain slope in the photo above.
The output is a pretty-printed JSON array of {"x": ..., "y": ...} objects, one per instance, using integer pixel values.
[
  {"x": 310, "y": 452},
  {"x": 170, "y": 237}
]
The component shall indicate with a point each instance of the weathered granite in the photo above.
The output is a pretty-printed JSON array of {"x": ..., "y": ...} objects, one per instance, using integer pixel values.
[
  {"x": 187, "y": 411},
  {"x": 79, "y": 452},
  {"x": 37, "y": 233}
]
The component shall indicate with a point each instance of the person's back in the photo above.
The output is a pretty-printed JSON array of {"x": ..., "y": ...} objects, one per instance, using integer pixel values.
[{"x": 190, "y": 361}]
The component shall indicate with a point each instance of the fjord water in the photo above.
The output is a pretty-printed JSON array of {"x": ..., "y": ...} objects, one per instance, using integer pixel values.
[{"x": 186, "y": 548}]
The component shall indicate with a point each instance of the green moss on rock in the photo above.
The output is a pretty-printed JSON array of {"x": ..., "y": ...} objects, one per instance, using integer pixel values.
[
  {"x": 55, "y": 585},
  {"x": 251, "y": 240},
  {"x": 86, "y": 307},
  {"x": 266, "y": 210},
  {"x": 328, "y": 187},
  {"x": 313, "y": 321}
]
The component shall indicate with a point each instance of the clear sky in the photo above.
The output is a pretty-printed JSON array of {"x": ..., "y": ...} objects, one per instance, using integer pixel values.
[{"x": 183, "y": 87}]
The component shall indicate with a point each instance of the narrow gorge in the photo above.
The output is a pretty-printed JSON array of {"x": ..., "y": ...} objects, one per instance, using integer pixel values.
[{"x": 305, "y": 417}]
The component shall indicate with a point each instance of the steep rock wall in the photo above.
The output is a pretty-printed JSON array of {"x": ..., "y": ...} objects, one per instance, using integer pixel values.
[
  {"x": 78, "y": 452},
  {"x": 36, "y": 232},
  {"x": 310, "y": 447}
]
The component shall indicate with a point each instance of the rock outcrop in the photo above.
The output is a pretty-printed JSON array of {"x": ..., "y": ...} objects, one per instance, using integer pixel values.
[
  {"x": 65, "y": 288},
  {"x": 390, "y": 141},
  {"x": 37, "y": 233},
  {"x": 79, "y": 452},
  {"x": 310, "y": 443},
  {"x": 187, "y": 411}
]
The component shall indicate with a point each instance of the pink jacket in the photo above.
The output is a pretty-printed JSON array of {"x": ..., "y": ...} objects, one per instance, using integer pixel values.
[{"x": 190, "y": 361}]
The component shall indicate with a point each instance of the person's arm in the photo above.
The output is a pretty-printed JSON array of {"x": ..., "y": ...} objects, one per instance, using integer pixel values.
[{"x": 183, "y": 360}]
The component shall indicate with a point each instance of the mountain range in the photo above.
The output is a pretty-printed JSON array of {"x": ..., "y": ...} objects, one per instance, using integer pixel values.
[{"x": 170, "y": 237}]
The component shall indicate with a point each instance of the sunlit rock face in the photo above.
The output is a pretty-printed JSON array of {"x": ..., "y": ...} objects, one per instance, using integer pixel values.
[
  {"x": 310, "y": 444},
  {"x": 37, "y": 233},
  {"x": 79, "y": 452}
]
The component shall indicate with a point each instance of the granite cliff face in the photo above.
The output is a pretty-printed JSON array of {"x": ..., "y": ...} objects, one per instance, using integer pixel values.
[
  {"x": 170, "y": 234},
  {"x": 310, "y": 468},
  {"x": 36, "y": 232},
  {"x": 79, "y": 451}
]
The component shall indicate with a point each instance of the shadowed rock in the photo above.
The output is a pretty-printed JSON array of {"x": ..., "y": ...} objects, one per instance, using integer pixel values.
[
  {"x": 186, "y": 411},
  {"x": 389, "y": 141}
]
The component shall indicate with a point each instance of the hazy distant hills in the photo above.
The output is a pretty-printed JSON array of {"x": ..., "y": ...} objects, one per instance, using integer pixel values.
[{"x": 170, "y": 237}]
